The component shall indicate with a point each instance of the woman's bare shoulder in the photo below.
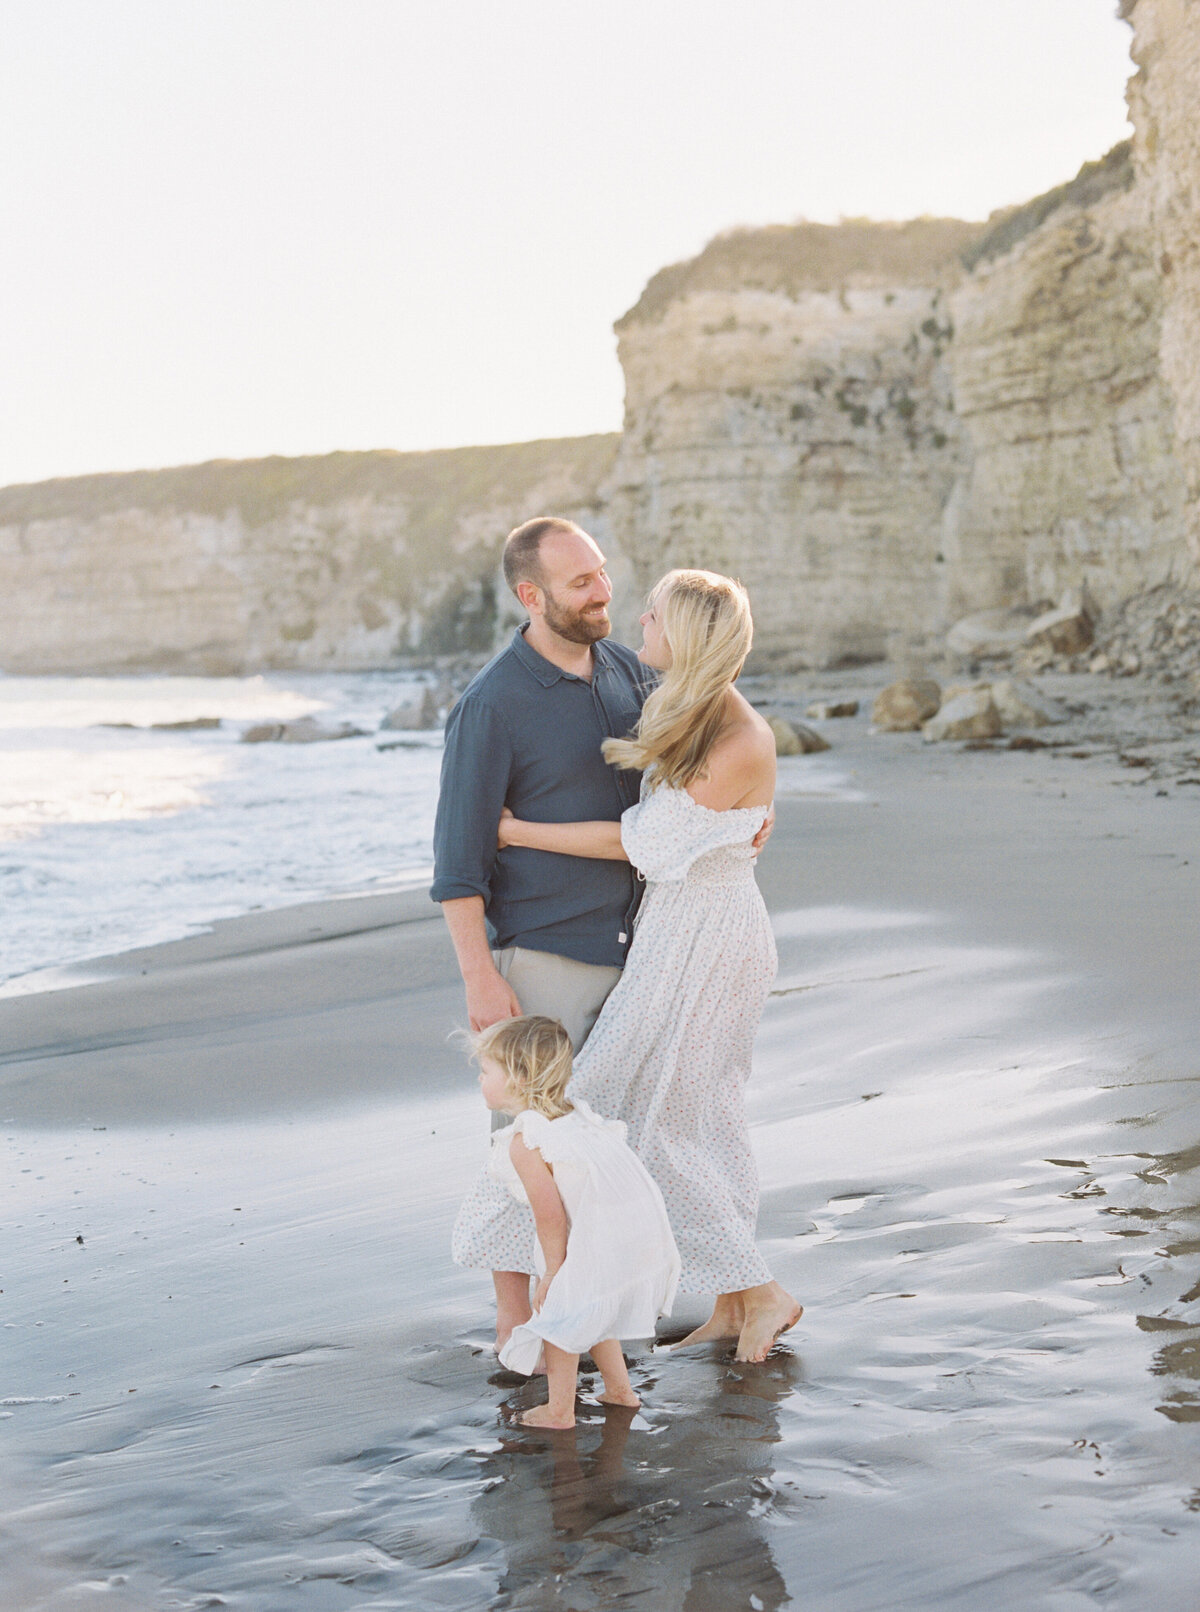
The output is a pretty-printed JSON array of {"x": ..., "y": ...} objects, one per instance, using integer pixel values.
[
  {"x": 741, "y": 765},
  {"x": 748, "y": 736}
]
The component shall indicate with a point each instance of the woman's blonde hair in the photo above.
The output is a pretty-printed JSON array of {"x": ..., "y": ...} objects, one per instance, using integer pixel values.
[
  {"x": 535, "y": 1053},
  {"x": 707, "y": 625}
]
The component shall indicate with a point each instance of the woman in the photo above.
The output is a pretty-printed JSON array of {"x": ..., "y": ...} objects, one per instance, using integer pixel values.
[{"x": 670, "y": 1052}]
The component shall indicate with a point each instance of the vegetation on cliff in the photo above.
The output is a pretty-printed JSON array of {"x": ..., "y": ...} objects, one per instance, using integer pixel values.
[
  {"x": 792, "y": 258},
  {"x": 435, "y": 486},
  {"x": 1095, "y": 180}
]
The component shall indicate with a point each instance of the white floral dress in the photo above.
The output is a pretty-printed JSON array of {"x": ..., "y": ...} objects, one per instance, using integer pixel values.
[
  {"x": 622, "y": 1266},
  {"x": 670, "y": 1052}
]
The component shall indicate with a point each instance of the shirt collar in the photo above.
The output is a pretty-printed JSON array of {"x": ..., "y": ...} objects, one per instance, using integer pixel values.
[{"x": 545, "y": 671}]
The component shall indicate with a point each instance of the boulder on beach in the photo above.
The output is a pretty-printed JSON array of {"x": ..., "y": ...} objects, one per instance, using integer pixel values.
[
  {"x": 827, "y": 710},
  {"x": 418, "y": 709},
  {"x": 903, "y": 706},
  {"x": 967, "y": 714},
  {"x": 1022, "y": 706},
  {"x": 305, "y": 730},
  {"x": 1068, "y": 629},
  {"x": 794, "y": 739},
  {"x": 988, "y": 634}
]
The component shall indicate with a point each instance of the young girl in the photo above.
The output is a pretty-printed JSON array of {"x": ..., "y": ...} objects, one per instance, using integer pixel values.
[{"x": 606, "y": 1261}]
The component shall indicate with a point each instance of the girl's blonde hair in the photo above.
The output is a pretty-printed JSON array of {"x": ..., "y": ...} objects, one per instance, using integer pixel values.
[
  {"x": 535, "y": 1053},
  {"x": 706, "y": 622}
]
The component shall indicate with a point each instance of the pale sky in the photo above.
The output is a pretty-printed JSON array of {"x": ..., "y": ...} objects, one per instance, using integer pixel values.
[{"x": 241, "y": 227}]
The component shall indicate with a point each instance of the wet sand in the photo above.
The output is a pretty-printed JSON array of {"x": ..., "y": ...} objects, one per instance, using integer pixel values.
[{"x": 257, "y": 1382}]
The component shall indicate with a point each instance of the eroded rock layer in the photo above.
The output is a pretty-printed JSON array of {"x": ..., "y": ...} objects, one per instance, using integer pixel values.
[
  {"x": 1164, "y": 104},
  {"x": 1069, "y": 472},
  {"x": 882, "y": 428},
  {"x": 797, "y": 429}
]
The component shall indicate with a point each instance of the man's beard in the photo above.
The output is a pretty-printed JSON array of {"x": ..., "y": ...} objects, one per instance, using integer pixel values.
[{"x": 576, "y": 626}]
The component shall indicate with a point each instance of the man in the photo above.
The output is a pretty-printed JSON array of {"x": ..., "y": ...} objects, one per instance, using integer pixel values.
[{"x": 526, "y": 734}]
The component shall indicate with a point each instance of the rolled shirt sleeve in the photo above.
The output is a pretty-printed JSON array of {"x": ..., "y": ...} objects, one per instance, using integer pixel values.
[{"x": 476, "y": 770}]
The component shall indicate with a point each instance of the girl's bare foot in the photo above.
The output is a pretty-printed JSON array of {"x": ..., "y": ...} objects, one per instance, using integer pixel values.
[
  {"x": 618, "y": 1390},
  {"x": 620, "y": 1396},
  {"x": 559, "y": 1410},
  {"x": 726, "y": 1321},
  {"x": 547, "y": 1416},
  {"x": 770, "y": 1310}
]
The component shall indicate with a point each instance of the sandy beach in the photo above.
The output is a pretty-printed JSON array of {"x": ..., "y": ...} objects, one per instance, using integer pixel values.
[{"x": 240, "y": 1370}]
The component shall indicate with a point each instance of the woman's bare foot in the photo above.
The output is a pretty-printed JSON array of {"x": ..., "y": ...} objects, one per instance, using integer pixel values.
[
  {"x": 620, "y": 1397},
  {"x": 547, "y": 1416},
  {"x": 726, "y": 1321},
  {"x": 770, "y": 1310}
]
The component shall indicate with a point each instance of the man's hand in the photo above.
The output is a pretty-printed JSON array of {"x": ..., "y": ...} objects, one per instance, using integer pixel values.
[
  {"x": 490, "y": 998},
  {"x": 764, "y": 833}
]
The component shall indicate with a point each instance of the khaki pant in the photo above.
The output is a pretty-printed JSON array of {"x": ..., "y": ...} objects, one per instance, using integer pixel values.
[{"x": 558, "y": 987}]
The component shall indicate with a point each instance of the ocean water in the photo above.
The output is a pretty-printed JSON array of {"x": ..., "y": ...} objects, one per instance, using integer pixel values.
[
  {"x": 115, "y": 833},
  {"x": 113, "y": 837}
]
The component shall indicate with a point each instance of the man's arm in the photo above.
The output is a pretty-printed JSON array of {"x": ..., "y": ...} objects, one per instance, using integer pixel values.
[
  {"x": 489, "y": 995},
  {"x": 476, "y": 768}
]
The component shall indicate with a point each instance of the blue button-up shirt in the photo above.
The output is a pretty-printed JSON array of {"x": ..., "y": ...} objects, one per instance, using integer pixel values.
[{"x": 527, "y": 736}]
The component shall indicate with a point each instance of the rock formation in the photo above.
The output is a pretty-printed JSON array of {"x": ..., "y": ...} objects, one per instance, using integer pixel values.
[
  {"x": 788, "y": 418},
  {"x": 1069, "y": 476},
  {"x": 339, "y": 562},
  {"x": 882, "y": 428},
  {"x": 1163, "y": 97}
]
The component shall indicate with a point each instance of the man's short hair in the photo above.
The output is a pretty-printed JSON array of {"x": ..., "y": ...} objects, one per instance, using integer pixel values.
[{"x": 522, "y": 559}]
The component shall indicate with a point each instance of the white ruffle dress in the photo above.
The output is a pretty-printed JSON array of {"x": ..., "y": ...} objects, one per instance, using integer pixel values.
[
  {"x": 621, "y": 1266},
  {"x": 670, "y": 1052}
]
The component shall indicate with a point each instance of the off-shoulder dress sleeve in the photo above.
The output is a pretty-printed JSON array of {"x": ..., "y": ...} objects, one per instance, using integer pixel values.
[{"x": 667, "y": 831}]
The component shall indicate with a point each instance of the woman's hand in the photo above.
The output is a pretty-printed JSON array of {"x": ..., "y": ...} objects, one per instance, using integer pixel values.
[{"x": 502, "y": 830}]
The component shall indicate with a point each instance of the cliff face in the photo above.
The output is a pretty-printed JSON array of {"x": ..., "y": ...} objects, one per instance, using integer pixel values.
[
  {"x": 883, "y": 427},
  {"x": 1163, "y": 96},
  {"x": 788, "y": 419},
  {"x": 1069, "y": 473},
  {"x": 338, "y": 562}
]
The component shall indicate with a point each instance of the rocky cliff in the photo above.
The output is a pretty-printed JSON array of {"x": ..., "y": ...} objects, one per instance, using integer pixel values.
[
  {"x": 1069, "y": 476},
  {"x": 789, "y": 418},
  {"x": 344, "y": 561},
  {"x": 1164, "y": 95},
  {"x": 883, "y": 427}
]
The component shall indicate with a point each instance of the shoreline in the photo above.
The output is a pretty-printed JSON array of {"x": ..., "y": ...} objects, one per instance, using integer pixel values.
[
  {"x": 259, "y": 928},
  {"x": 1144, "y": 726}
]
